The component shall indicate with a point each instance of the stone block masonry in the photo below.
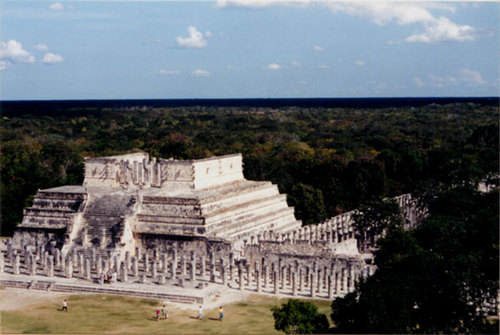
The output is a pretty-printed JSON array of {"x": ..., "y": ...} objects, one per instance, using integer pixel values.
[{"x": 168, "y": 223}]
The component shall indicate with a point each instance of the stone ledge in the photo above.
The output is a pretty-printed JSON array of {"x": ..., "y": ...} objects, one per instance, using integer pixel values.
[{"x": 56, "y": 287}]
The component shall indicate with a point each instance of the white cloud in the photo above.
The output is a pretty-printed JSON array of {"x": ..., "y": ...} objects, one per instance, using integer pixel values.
[
  {"x": 13, "y": 52},
  {"x": 195, "y": 39},
  {"x": 419, "y": 82},
  {"x": 472, "y": 77},
  {"x": 200, "y": 73},
  {"x": 443, "y": 30},
  {"x": 3, "y": 65},
  {"x": 208, "y": 34},
  {"x": 463, "y": 76},
  {"x": 295, "y": 63},
  {"x": 41, "y": 47},
  {"x": 273, "y": 66},
  {"x": 318, "y": 48},
  {"x": 51, "y": 58},
  {"x": 162, "y": 71},
  {"x": 359, "y": 63},
  {"x": 57, "y": 6},
  {"x": 323, "y": 67},
  {"x": 383, "y": 12}
]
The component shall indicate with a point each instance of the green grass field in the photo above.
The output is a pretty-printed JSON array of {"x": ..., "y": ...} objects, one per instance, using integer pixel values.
[{"x": 115, "y": 314}]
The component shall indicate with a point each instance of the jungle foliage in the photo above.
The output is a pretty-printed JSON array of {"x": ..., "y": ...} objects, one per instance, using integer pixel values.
[
  {"x": 435, "y": 278},
  {"x": 328, "y": 160},
  {"x": 299, "y": 317}
]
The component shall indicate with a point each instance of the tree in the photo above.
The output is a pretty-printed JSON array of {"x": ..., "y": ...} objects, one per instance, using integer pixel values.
[
  {"x": 308, "y": 202},
  {"x": 374, "y": 219},
  {"x": 299, "y": 317},
  {"x": 435, "y": 278}
]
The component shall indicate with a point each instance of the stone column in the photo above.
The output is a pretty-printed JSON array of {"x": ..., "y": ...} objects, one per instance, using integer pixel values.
[
  {"x": 203, "y": 263},
  {"x": 45, "y": 256},
  {"x": 146, "y": 262},
  {"x": 128, "y": 262},
  {"x": 183, "y": 266},
  {"x": 312, "y": 283},
  {"x": 17, "y": 264},
  {"x": 86, "y": 272},
  {"x": 103, "y": 241},
  {"x": 85, "y": 236},
  {"x": 164, "y": 263},
  {"x": 98, "y": 265},
  {"x": 301, "y": 280},
  {"x": 32, "y": 266},
  {"x": 161, "y": 279},
  {"x": 231, "y": 265},
  {"x": 154, "y": 270},
  {"x": 105, "y": 265},
  {"x": 240, "y": 277},
  {"x": 69, "y": 268},
  {"x": 138, "y": 252},
  {"x": 319, "y": 280},
  {"x": 173, "y": 268},
  {"x": 80, "y": 264},
  {"x": 192, "y": 269},
  {"x": 135, "y": 266},
  {"x": 330, "y": 295},
  {"x": 64, "y": 261},
  {"x": 2, "y": 263},
  {"x": 50, "y": 266},
  {"x": 257, "y": 280},
  {"x": 223, "y": 275},
  {"x": 336, "y": 283},
  {"x": 275, "y": 281},
  {"x": 57, "y": 259},
  {"x": 212, "y": 268},
  {"x": 124, "y": 272},
  {"x": 265, "y": 274},
  {"x": 294, "y": 283},
  {"x": 247, "y": 270},
  {"x": 342, "y": 280}
]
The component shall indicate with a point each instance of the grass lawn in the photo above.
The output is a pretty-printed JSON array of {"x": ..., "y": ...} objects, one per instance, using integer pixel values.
[{"x": 115, "y": 314}]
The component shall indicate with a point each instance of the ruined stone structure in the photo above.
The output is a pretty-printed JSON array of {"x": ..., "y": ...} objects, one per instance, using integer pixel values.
[{"x": 185, "y": 224}]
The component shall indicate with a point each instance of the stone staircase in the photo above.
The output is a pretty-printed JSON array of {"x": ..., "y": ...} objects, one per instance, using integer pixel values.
[
  {"x": 54, "y": 210},
  {"x": 104, "y": 219},
  {"x": 230, "y": 211}
]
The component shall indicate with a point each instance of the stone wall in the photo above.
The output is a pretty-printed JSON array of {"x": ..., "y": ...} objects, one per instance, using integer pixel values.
[{"x": 137, "y": 171}]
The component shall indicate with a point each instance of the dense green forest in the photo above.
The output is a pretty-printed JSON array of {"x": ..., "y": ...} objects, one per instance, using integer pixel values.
[{"x": 328, "y": 160}]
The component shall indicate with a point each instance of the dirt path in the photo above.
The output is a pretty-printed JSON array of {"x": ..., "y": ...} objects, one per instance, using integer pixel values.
[{"x": 14, "y": 299}]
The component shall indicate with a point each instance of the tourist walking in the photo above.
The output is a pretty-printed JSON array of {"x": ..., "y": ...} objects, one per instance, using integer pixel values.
[
  {"x": 221, "y": 313},
  {"x": 164, "y": 313},
  {"x": 65, "y": 305},
  {"x": 200, "y": 313},
  {"x": 157, "y": 315}
]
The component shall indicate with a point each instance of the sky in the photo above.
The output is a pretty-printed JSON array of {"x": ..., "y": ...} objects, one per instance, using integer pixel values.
[{"x": 51, "y": 50}]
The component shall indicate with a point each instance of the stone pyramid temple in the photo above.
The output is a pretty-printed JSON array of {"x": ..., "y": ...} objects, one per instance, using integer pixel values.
[{"x": 130, "y": 201}]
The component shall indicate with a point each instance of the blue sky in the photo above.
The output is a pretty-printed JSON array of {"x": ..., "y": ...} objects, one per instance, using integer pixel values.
[{"x": 247, "y": 49}]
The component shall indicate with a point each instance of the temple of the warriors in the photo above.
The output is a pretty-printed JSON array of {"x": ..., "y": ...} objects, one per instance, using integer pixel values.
[
  {"x": 130, "y": 201},
  {"x": 163, "y": 225}
]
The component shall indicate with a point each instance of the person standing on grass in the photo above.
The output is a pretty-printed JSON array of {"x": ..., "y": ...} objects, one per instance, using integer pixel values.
[
  {"x": 221, "y": 313},
  {"x": 65, "y": 305},
  {"x": 157, "y": 315},
  {"x": 164, "y": 313},
  {"x": 200, "y": 313}
]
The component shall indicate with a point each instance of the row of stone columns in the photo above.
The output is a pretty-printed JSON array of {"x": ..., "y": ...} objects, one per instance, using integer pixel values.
[
  {"x": 283, "y": 276},
  {"x": 334, "y": 230}
]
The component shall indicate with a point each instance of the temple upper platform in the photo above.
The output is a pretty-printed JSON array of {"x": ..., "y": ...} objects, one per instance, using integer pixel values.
[{"x": 138, "y": 171}]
